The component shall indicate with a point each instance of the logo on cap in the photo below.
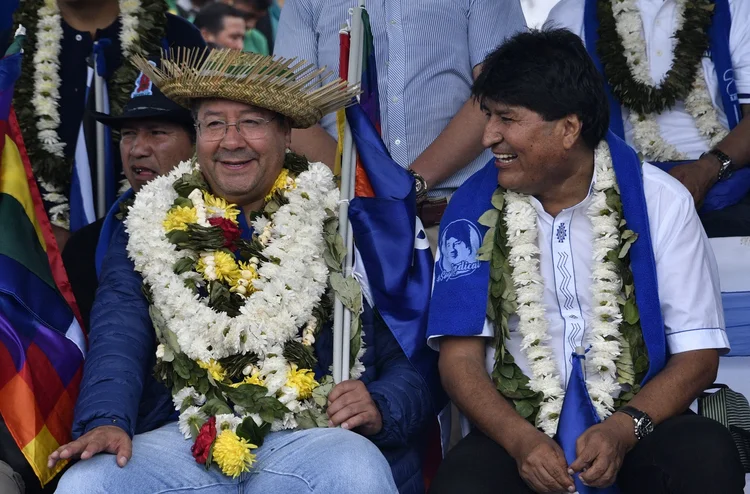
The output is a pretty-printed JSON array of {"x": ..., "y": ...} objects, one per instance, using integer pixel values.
[{"x": 143, "y": 84}]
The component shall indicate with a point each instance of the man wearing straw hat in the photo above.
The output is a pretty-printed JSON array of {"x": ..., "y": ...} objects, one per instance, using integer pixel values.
[{"x": 235, "y": 257}]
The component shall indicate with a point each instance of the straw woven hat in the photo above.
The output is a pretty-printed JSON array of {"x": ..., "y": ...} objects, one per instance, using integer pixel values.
[{"x": 290, "y": 87}]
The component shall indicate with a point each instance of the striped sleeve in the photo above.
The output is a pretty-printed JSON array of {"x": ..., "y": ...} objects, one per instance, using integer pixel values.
[
  {"x": 490, "y": 23},
  {"x": 296, "y": 33}
]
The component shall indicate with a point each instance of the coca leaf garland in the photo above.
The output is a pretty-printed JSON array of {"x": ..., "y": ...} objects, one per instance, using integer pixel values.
[{"x": 691, "y": 43}]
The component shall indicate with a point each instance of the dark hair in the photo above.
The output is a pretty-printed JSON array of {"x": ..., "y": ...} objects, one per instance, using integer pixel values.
[
  {"x": 211, "y": 17},
  {"x": 257, "y": 5},
  {"x": 548, "y": 72},
  {"x": 462, "y": 232}
]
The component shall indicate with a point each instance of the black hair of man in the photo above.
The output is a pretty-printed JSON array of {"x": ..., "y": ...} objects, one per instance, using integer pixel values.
[
  {"x": 550, "y": 73},
  {"x": 257, "y": 5},
  {"x": 211, "y": 17}
]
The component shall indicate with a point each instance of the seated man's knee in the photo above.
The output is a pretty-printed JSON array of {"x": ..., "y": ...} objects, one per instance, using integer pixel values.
[
  {"x": 357, "y": 462},
  {"x": 92, "y": 476},
  {"x": 710, "y": 456},
  {"x": 717, "y": 452}
]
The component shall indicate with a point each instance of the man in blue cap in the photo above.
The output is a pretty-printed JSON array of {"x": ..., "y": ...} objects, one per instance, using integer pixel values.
[{"x": 155, "y": 135}]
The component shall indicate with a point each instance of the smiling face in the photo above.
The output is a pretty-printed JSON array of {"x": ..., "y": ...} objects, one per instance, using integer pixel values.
[
  {"x": 150, "y": 148},
  {"x": 238, "y": 169},
  {"x": 530, "y": 153}
]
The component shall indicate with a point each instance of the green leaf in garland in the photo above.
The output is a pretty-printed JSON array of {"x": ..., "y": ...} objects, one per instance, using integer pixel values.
[
  {"x": 348, "y": 290},
  {"x": 302, "y": 355},
  {"x": 524, "y": 408},
  {"x": 641, "y": 364},
  {"x": 183, "y": 265},
  {"x": 216, "y": 406},
  {"x": 182, "y": 365},
  {"x": 245, "y": 395},
  {"x": 630, "y": 312},
  {"x": 320, "y": 394},
  {"x": 498, "y": 199},
  {"x": 507, "y": 371},
  {"x": 489, "y": 218}
]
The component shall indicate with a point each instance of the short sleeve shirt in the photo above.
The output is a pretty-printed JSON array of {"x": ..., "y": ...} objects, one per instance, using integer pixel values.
[{"x": 686, "y": 272}]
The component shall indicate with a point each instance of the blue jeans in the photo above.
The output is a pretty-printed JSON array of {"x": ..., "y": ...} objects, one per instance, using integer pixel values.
[{"x": 313, "y": 460}]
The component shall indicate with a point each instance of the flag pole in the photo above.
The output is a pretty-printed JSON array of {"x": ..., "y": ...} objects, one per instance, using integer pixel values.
[
  {"x": 341, "y": 315},
  {"x": 101, "y": 175}
]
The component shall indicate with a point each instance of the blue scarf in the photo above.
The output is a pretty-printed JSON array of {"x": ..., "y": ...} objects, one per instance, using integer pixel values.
[
  {"x": 459, "y": 297},
  {"x": 724, "y": 193},
  {"x": 110, "y": 225}
]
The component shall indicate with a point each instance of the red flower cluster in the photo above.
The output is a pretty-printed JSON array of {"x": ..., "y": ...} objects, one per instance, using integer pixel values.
[
  {"x": 203, "y": 442},
  {"x": 229, "y": 229}
]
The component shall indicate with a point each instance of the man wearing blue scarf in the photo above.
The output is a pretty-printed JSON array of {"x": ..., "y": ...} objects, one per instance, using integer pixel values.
[
  {"x": 686, "y": 109},
  {"x": 545, "y": 414}
]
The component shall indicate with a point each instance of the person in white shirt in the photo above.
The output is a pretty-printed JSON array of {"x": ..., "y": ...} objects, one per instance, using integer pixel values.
[
  {"x": 595, "y": 281},
  {"x": 681, "y": 73}
]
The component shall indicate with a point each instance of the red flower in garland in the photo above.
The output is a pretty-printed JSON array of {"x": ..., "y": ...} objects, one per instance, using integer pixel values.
[
  {"x": 229, "y": 229},
  {"x": 203, "y": 442}
]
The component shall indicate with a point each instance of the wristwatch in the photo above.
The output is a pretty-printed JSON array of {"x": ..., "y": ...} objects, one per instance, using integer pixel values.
[
  {"x": 642, "y": 423},
  {"x": 420, "y": 185},
  {"x": 725, "y": 161}
]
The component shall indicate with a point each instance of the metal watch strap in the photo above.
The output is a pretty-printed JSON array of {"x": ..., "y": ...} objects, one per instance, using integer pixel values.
[
  {"x": 726, "y": 163},
  {"x": 420, "y": 184}
]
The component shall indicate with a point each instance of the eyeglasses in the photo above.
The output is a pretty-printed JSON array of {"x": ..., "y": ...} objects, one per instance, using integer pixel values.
[{"x": 251, "y": 129}]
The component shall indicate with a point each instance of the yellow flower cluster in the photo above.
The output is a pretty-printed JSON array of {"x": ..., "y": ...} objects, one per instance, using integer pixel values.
[
  {"x": 214, "y": 368},
  {"x": 217, "y": 205},
  {"x": 223, "y": 267},
  {"x": 232, "y": 453},
  {"x": 248, "y": 272},
  {"x": 303, "y": 380},
  {"x": 283, "y": 182},
  {"x": 179, "y": 217},
  {"x": 254, "y": 379}
]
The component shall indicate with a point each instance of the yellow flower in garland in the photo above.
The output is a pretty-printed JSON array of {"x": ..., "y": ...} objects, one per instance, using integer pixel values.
[
  {"x": 223, "y": 267},
  {"x": 303, "y": 380},
  {"x": 179, "y": 217},
  {"x": 214, "y": 368},
  {"x": 254, "y": 379},
  {"x": 219, "y": 205},
  {"x": 244, "y": 284},
  {"x": 232, "y": 453},
  {"x": 283, "y": 182}
]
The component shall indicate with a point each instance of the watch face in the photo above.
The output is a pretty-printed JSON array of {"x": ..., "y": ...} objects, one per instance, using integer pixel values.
[{"x": 645, "y": 427}]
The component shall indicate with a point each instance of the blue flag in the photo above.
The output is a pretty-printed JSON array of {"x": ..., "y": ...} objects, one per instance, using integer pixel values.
[
  {"x": 577, "y": 415},
  {"x": 394, "y": 249}
]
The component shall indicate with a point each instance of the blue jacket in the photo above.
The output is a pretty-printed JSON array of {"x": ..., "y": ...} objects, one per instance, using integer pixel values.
[{"x": 118, "y": 387}]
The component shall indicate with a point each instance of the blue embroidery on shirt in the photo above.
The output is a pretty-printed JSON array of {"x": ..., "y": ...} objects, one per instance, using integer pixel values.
[{"x": 561, "y": 233}]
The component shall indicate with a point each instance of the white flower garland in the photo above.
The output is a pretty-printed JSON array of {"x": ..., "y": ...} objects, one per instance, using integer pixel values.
[
  {"x": 521, "y": 221},
  {"x": 287, "y": 291},
  {"x": 646, "y": 132},
  {"x": 46, "y": 97}
]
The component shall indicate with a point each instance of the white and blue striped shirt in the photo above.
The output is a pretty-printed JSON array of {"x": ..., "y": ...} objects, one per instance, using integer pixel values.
[{"x": 425, "y": 51}]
